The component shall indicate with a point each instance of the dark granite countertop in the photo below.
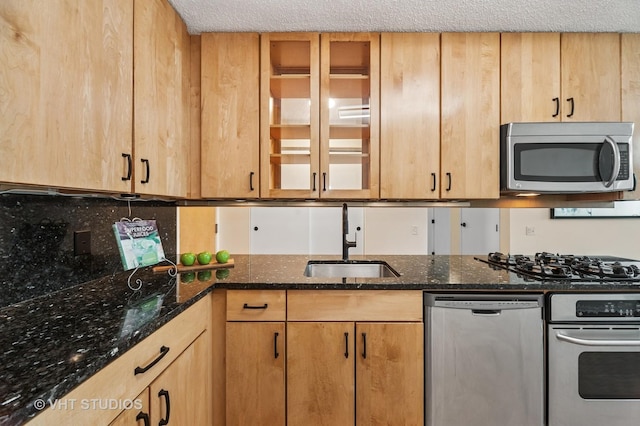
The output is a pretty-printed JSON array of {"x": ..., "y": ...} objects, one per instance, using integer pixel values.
[
  {"x": 54, "y": 342},
  {"x": 422, "y": 272}
]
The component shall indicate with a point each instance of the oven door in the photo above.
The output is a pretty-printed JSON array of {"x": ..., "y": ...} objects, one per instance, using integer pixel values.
[{"x": 594, "y": 375}]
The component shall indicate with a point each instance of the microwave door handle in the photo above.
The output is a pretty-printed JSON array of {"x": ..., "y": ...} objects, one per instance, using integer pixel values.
[
  {"x": 616, "y": 160},
  {"x": 590, "y": 342}
]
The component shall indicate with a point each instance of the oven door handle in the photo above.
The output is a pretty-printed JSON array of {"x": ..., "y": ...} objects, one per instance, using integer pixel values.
[{"x": 590, "y": 342}]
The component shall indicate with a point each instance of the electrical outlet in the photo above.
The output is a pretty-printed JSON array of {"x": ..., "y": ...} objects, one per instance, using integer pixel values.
[
  {"x": 81, "y": 242},
  {"x": 529, "y": 231}
]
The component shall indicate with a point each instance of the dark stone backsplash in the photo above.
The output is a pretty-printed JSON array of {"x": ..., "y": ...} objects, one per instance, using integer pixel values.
[{"x": 37, "y": 240}]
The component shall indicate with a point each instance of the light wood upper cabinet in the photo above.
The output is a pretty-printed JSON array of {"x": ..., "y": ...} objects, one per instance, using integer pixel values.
[
  {"x": 349, "y": 115},
  {"x": 530, "y": 77},
  {"x": 590, "y": 76},
  {"x": 409, "y": 116},
  {"x": 161, "y": 100},
  {"x": 560, "y": 77},
  {"x": 230, "y": 161},
  {"x": 66, "y": 106},
  {"x": 290, "y": 115},
  {"x": 470, "y": 102},
  {"x": 319, "y": 115},
  {"x": 630, "y": 65}
]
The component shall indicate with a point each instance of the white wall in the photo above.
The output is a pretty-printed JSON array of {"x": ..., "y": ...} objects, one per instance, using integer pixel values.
[
  {"x": 390, "y": 231},
  {"x": 317, "y": 230},
  {"x": 616, "y": 237}
]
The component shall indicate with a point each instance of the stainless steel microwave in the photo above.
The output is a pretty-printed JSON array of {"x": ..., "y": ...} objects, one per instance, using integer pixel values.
[{"x": 566, "y": 157}]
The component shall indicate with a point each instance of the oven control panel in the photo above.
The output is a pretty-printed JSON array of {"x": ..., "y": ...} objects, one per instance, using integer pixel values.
[{"x": 607, "y": 308}]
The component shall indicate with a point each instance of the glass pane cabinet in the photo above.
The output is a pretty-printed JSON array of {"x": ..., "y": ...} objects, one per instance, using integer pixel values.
[
  {"x": 290, "y": 115},
  {"x": 349, "y": 114},
  {"x": 319, "y": 115}
]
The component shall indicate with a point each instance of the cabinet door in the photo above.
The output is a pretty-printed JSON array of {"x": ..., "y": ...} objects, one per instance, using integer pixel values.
[
  {"x": 181, "y": 394},
  {"x": 137, "y": 415},
  {"x": 470, "y": 138},
  {"x": 320, "y": 373},
  {"x": 349, "y": 115},
  {"x": 230, "y": 115},
  {"x": 390, "y": 373},
  {"x": 590, "y": 76},
  {"x": 289, "y": 115},
  {"x": 255, "y": 373},
  {"x": 65, "y": 108},
  {"x": 630, "y": 47},
  {"x": 409, "y": 116},
  {"x": 530, "y": 77},
  {"x": 161, "y": 100}
]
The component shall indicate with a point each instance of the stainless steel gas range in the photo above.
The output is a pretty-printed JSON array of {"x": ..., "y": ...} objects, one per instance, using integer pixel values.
[
  {"x": 545, "y": 266},
  {"x": 592, "y": 337}
]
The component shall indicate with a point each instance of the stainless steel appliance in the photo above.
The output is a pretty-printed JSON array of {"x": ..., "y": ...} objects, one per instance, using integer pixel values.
[
  {"x": 594, "y": 359},
  {"x": 566, "y": 157},
  {"x": 567, "y": 268},
  {"x": 484, "y": 359}
]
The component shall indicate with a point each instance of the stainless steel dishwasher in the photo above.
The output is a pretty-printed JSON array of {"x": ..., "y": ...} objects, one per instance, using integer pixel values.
[{"x": 484, "y": 360}]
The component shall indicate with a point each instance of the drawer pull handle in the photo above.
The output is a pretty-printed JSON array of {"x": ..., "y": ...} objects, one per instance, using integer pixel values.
[
  {"x": 247, "y": 306},
  {"x": 163, "y": 351},
  {"x": 346, "y": 345},
  {"x": 275, "y": 345},
  {"x": 165, "y": 394},
  {"x": 364, "y": 345},
  {"x": 144, "y": 417}
]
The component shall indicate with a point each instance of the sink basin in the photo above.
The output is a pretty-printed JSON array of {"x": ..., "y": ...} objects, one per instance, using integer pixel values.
[{"x": 349, "y": 269}]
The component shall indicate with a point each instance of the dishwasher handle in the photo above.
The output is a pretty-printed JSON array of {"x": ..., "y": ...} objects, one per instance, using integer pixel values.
[
  {"x": 596, "y": 342},
  {"x": 486, "y": 312}
]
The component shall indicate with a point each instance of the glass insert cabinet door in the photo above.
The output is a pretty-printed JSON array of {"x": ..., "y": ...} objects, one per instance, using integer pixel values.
[{"x": 319, "y": 115}]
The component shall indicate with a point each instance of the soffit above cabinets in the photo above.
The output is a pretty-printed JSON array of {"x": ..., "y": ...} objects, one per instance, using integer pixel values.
[{"x": 409, "y": 15}]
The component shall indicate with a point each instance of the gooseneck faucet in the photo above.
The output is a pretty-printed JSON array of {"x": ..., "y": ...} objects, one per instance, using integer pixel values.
[{"x": 346, "y": 244}]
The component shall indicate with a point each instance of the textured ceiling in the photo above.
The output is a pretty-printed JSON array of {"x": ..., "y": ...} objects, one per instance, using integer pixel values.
[{"x": 409, "y": 15}]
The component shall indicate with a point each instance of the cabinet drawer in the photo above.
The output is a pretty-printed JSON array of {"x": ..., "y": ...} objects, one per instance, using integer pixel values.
[
  {"x": 356, "y": 305},
  {"x": 256, "y": 305},
  {"x": 118, "y": 381}
]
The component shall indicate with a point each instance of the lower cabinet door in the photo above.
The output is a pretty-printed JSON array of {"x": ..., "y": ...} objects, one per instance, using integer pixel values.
[
  {"x": 320, "y": 373},
  {"x": 181, "y": 395},
  {"x": 255, "y": 372},
  {"x": 390, "y": 374},
  {"x": 138, "y": 414}
]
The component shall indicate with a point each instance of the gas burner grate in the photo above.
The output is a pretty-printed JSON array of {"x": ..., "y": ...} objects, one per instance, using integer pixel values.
[{"x": 553, "y": 266}]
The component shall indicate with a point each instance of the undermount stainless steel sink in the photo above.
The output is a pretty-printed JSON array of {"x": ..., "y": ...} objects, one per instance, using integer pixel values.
[{"x": 349, "y": 269}]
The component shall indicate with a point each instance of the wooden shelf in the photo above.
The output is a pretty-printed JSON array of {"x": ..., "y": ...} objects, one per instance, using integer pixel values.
[
  {"x": 349, "y": 86},
  {"x": 279, "y": 159},
  {"x": 290, "y": 131},
  {"x": 348, "y": 158},
  {"x": 349, "y": 131},
  {"x": 291, "y": 86}
]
